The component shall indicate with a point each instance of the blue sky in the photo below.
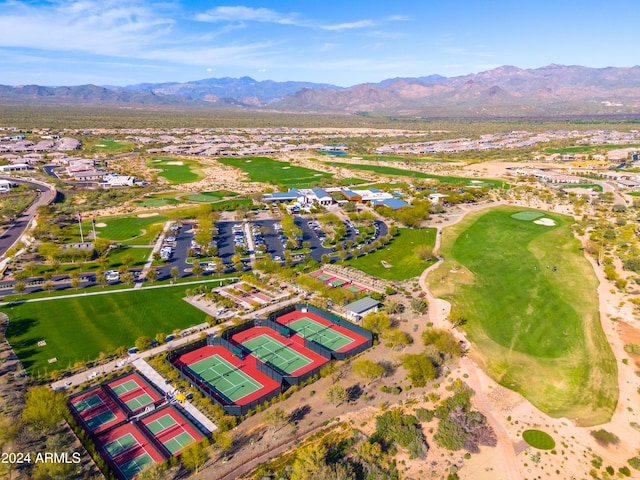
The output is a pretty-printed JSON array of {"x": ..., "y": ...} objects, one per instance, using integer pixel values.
[{"x": 121, "y": 42}]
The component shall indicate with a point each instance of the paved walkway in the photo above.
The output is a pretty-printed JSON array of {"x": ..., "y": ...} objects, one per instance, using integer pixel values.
[{"x": 154, "y": 377}]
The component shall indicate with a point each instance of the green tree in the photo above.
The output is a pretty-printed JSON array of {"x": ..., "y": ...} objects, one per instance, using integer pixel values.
[
  {"x": 395, "y": 338},
  {"x": 275, "y": 418},
  {"x": 223, "y": 441},
  {"x": 195, "y": 456},
  {"x": 309, "y": 460},
  {"x": 443, "y": 341},
  {"x": 368, "y": 370},
  {"x": 174, "y": 272},
  {"x": 127, "y": 259},
  {"x": 127, "y": 278},
  {"x": 419, "y": 368},
  {"x": 143, "y": 343},
  {"x": 376, "y": 322},
  {"x": 44, "y": 408},
  {"x": 337, "y": 394},
  {"x": 101, "y": 245},
  {"x": 152, "y": 275},
  {"x": 197, "y": 269},
  {"x": 161, "y": 338}
]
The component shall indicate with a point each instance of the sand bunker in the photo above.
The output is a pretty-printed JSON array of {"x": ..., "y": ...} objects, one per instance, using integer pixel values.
[
  {"x": 547, "y": 222},
  {"x": 101, "y": 225},
  {"x": 286, "y": 168},
  {"x": 145, "y": 215},
  {"x": 174, "y": 163}
]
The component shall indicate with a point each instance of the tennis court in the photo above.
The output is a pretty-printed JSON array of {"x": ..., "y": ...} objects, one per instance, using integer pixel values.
[
  {"x": 323, "y": 277},
  {"x": 177, "y": 442},
  {"x": 270, "y": 350},
  {"x": 172, "y": 435},
  {"x": 133, "y": 467},
  {"x": 355, "y": 288},
  {"x": 95, "y": 422},
  {"x": 138, "y": 401},
  {"x": 319, "y": 333},
  {"x": 121, "y": 444},
  {"x": 125, "y": 387},
  {"x": 229, "y": 380},
  {"x": 87, "y": 403},
  {"x": 336, "y": 282}
]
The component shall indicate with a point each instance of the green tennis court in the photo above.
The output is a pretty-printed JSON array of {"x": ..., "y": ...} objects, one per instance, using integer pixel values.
[
  {"x": 337, "y": 283},
  {"x": 100, "y": 419},
  {"x": 135, "y": 466},
  {"x": 179, "y": 442},
  {"x": 87, "y": 403},
  {"x": 270, "y": 350},
  {"x": 121, "y": 444},
  {"x": 323, "y": 277},
  {"x": 229, "y": 380},
  {"x": 139, "y": 401},
  {"x": 161, "y": 423},
  {"x": 125, "y": 387},
  {"x": 354, "y": 288},
  {"x": 319, "y": 333}
]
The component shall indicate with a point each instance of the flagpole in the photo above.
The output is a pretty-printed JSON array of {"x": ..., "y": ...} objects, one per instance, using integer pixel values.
[{"x": 80, "y": 224}]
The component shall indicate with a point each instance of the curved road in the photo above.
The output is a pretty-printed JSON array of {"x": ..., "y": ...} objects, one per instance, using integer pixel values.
[{"x": 46, "y": 195}]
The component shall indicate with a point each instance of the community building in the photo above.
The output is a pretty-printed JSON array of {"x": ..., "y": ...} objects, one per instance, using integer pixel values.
[{"x": 357, "y": 310}]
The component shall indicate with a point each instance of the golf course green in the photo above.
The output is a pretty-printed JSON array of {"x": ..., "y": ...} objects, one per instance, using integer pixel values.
[{"x": 520, "y": 280}]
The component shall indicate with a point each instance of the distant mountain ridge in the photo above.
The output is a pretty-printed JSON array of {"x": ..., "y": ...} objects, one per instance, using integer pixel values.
[{"x": 504, "y": 91}]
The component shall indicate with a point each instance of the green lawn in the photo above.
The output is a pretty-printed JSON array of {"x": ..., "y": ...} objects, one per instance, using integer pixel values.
[
  {"x": 403, "y": 158},
  {"x": 79, "y": 328},
  {"x": 399, "y": 253},
  {"x": 125, "y": 228},
  {"x": 112, "y": 145},
  {"x": 594, "y": 186},
  {"x": 267, "y": 170},
  {"x": 539, "y": 439},
  {"x": 536, "y": 330},
  {"x": 214, "y": 196},
  {"x": 157, "y": 202},
  {"x": 443, "y": 179},
  {"x": 175, "y": 170},
  {"x": 589, "y": 148}
]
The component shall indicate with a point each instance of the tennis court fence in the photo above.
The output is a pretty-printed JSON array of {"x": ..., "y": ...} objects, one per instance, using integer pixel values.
[{"x": 358, "y": 330}]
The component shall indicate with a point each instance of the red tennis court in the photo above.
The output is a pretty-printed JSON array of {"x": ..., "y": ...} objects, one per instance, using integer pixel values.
[
  {"x": 96, "y": 410},
  {"x": 219, "y": 359},
  {"x": 296, "y": 317},
  {"x": 128, "y": 450},
  {"x": 171, "y": 429},
  {"x": 134, "y": 391},
  {"x": 279, "y": 350}
]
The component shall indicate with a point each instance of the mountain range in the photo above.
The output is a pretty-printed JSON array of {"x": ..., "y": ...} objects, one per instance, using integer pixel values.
[{"x": 554, "y": 90}]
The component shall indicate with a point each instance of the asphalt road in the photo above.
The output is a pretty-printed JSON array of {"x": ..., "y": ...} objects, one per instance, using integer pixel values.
[{"x": 14, "y": 232}]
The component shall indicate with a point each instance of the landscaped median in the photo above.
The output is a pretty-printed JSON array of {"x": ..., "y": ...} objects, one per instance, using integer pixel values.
[{"x": 518, "y": 281}]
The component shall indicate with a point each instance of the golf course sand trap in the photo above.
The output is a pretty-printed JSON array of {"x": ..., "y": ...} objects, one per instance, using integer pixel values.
[
  {"x": 174, "y": 163},
  {"x": 101, "y": 225},
  {"x": 547, "y": 222},
  {"x": 385, "y": 264},
  {"x": 146, "y": 215}
]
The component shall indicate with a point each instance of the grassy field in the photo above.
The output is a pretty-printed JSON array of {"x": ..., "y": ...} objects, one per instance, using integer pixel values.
[
  {"x": 125, "y": 228},
  {"x": 529, "y": 298},
  {"x": 215, "y": 196},
  {"x": 399, "y": 254},
  {"x": 539, "y": 439},
  {"x": 594, "y": 186},
  {"x": 175, "y": 170},
  {"x": 402, "y": 158},
  {"x": 590, "y": 148},
  {"x": 399, "y": 172},
  {"x": 267, "y": 170},
  {"x": 79, "y": 328}
]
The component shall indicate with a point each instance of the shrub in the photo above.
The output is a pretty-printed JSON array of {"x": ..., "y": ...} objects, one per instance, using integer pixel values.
[{"x": 604, "y": 438}]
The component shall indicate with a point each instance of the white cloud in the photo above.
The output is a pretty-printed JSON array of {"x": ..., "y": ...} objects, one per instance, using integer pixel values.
[
  {"x": 247, "y": 14},
  {"x": 348, "y": 25}
]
